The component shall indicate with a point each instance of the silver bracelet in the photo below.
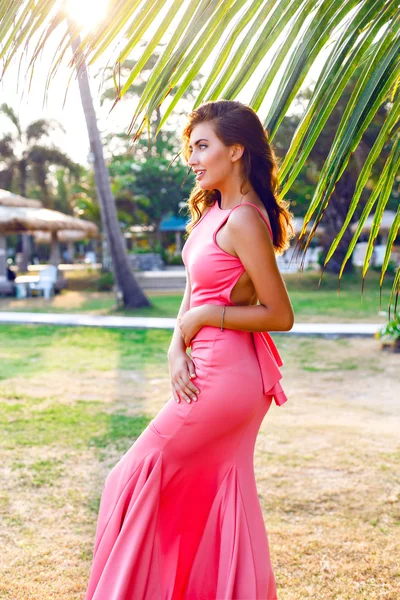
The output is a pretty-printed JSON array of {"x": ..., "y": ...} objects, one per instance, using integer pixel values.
[{"x": 222, "y": 318}]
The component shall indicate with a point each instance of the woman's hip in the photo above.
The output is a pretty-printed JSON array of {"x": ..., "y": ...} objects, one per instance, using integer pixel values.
[{"x": 228, "y": 358}]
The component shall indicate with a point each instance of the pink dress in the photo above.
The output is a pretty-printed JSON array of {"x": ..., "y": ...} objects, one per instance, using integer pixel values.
[{"x": 179, "y": 517}]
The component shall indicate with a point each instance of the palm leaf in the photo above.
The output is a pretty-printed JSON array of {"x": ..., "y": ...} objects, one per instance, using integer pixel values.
[
  {"x": 9, "y": 112},
  {"x": 168, "y": 62},
  {"x": 393, "y": 233},
  {"x": 224, "y": 58},
  {"x": 383, "y": 200},
  {"x": 282, "y": 14},
  {"x": 334, "y": 77},
  {"x": 280, "y": 56},
  {"x": 387, "y": 175},
  {"x": 376, "y": 80},
  {"x": 394, "y": 295},
  {"x": 362, "y": 36},
  {"x": 327, "y": 18},
  {"x": 390, "y": 122},
  {"x": 200, "y": 60}
]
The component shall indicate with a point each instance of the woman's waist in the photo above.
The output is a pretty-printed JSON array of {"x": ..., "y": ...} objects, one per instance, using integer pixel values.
[{"x": 210, "y": 334}]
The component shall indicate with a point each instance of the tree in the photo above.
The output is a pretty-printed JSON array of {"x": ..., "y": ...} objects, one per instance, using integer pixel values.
[
  {"x": 132, "y": 295},
  {"x": 27, "y": 156},
  {"x": 150, "y": 187},
  {"x": 340, "y": 201},
  {"x": 355, "y": 35},
  {"x": 26, "y": 162},
  {"x": 142, "y": 177}
]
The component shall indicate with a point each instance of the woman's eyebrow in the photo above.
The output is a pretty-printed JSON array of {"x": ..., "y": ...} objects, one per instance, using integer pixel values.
[{"x": 200, "y": 140}]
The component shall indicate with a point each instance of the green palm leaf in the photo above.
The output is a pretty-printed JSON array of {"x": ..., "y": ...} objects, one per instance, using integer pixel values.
[
  {"x": 390, "y": 122},
  {"x": 384, "y": 197},
  {"x": 387, "y": 177},
  {"x": 393, "y": 232},
  {"x": 336, "y": 74},
  {"x": 362, "y": 36}
]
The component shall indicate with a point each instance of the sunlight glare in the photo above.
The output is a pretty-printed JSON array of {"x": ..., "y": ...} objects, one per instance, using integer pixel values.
[{"x": 87, "y": 13}]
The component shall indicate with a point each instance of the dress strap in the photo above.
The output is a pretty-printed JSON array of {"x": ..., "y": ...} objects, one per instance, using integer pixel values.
[{"x": 263, "y": 216}]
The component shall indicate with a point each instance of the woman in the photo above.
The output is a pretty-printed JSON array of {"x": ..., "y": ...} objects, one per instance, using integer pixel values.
[{"x": 179, "y": 516}]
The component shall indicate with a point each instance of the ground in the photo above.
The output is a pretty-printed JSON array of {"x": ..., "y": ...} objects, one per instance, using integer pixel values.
[
  {"x": 312, "y": 301},
  {"x": 327, "y": 462}
]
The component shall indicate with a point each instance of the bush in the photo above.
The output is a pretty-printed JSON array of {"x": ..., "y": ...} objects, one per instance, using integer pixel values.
[
  {"x": 390, "y": 333},
  {"x": 105, "y": 282},
  {"x": 173, "y": 260}
]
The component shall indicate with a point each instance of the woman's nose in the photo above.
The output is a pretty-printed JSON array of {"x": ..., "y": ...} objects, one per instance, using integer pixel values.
[{"x": 192, "y": 160}]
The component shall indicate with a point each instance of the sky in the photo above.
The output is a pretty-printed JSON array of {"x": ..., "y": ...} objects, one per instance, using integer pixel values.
[{"x": 30, "y": 106}]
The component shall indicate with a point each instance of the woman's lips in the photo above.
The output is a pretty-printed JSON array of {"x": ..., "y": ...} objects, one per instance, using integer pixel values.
[{"x": 199, "y": 175}]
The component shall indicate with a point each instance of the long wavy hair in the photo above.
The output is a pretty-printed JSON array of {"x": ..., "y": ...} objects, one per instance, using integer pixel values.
[{"x": 237, "y": 123}]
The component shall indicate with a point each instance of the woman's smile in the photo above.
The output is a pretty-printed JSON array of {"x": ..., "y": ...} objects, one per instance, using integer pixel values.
[{"x": 199, "y": 174}]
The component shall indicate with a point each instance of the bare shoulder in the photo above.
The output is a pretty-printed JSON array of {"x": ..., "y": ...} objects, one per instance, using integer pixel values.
[{"x": 247, "y": 218}]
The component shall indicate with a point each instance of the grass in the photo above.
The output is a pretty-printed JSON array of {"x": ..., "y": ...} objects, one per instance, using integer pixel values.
[
  {"x": 72, "y": 401},
  {"x": 311, "y": 302},
  {"x": 53, "y": 425},
  {"x": 29, "y": 349}
]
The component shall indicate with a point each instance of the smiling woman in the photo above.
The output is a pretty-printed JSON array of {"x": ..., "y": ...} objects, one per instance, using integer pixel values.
[{"x": 179, "y": 516}]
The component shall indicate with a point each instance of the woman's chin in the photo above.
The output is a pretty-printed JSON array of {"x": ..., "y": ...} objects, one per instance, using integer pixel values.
[{"x": 204, "y": 186}]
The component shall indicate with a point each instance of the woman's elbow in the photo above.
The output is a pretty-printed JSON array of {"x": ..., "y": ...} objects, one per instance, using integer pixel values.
[
  {"x": 280, "y": 319},
  {"x": 287, "y": 321}
]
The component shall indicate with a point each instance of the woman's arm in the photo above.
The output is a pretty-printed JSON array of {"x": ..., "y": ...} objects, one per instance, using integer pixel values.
[
  {"x": 253, "y": 245},
  {"x": 245, "y": 318},
  {"x": 181, "y": 365},
  {"x": 177, "y": 342}
]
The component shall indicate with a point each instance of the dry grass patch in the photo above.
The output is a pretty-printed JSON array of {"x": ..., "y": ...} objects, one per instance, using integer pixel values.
[{"x": 327, "y": 463}]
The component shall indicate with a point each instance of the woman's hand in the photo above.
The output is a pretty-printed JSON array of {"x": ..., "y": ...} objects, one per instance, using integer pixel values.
[
  {"x": 191, "y": 321},
  {"x": 181, "y": 368}
]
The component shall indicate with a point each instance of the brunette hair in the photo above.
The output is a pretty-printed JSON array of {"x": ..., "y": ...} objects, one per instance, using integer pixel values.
[{"x": 237, "y": 123}]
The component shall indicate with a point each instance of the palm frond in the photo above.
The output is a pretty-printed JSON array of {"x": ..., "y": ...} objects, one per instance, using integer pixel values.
[{"x": 359, "y": 41}]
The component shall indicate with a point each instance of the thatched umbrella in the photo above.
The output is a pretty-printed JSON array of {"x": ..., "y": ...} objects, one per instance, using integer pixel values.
[
  {"x": 24, "y": 219},
  {"x": 16, "y": 219},
  {"x": 9, "y": 199},
  {"x": 65, "y": 236}
]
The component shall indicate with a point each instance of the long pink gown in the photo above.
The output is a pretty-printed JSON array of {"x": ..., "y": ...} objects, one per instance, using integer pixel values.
[{"x": 179, "y": 517}]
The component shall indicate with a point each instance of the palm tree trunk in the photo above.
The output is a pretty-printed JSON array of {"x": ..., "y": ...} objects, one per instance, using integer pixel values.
[
  {"x": 132, "y": 295},
  {"x": 55, "y": 256},
  {"x": 25, "y": 239},
  {"x": 26, "y": 251}
]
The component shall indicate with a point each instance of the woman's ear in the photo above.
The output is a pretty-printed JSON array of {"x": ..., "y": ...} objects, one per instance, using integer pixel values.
[{"x": 237, "y": 152}]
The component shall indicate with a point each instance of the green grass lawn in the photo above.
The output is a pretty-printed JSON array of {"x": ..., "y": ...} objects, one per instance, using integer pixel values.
[
  {"x": 311, "y": 302},
  {"x": 73, "y": 400}
]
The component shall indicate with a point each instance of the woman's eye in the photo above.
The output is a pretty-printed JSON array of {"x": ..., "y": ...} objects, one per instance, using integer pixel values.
[{"x": 200, "y": 146}]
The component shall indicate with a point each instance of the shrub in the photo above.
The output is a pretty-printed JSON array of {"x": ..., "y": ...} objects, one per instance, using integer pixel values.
[
  {"x": 105, "y": 282},
  {"x": 390, "y": 334}
]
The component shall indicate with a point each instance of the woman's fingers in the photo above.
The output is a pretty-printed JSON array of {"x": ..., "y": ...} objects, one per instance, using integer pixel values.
[
  {"x": 187, "y": 389},
  {"x": 182, "y": 391},
  {"x": 191, "y": 386},
  {"x": 179, "y": 393},
  {"x": 175, "y": 394},
  {"x": 188, "y": 380},
  {"x": 182, "y": 385}
]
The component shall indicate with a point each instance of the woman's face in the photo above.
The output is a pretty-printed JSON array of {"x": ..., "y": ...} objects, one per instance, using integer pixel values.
[{"x": 210, "y": 156}]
